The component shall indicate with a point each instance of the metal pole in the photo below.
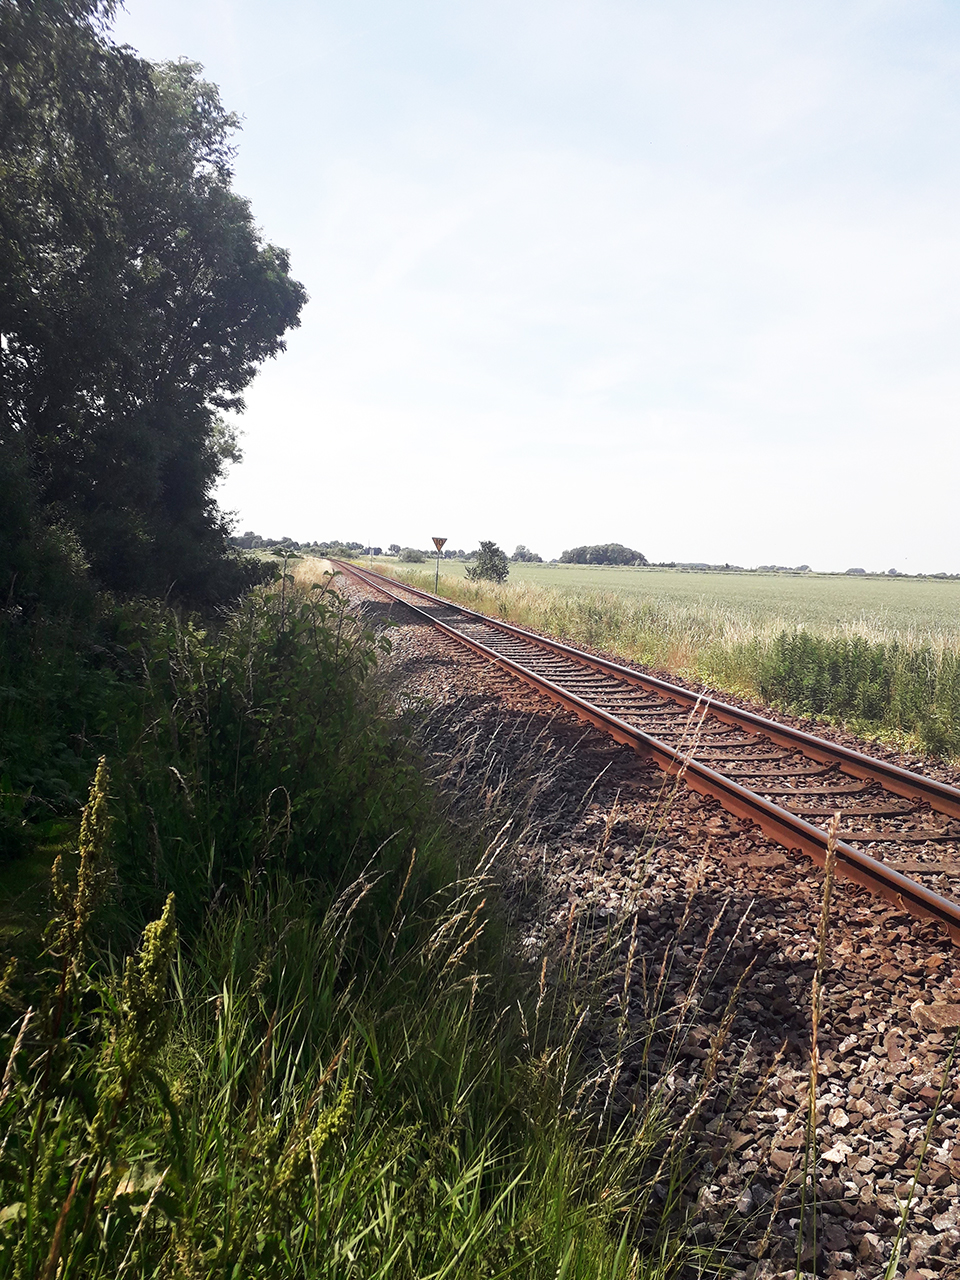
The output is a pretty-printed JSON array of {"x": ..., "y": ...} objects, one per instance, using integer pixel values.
[{"x": 439, "y": 544}]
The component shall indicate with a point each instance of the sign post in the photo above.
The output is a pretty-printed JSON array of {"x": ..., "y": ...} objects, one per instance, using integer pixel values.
[{"x": 438, "y": 543}]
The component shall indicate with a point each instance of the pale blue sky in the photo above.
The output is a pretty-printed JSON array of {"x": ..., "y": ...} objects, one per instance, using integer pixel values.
[{"x": 680, "y": 274}]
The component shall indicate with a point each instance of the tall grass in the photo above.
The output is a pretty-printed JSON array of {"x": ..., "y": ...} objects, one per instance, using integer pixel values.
[
  {"x": 271, "y": 1035},
  {"x": 287, "y": 1114},
  {"x": 901, "y": 687}
]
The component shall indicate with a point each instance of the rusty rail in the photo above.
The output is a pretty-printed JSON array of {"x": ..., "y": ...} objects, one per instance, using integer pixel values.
[{"x": 779, "y": 824}]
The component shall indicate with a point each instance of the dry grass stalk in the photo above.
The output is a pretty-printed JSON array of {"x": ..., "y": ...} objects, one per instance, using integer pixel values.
[
  {"x": 891, "y": 1269},
  {"x": 17, "y": 1046},
  {"x": 809, "y": 1183}
]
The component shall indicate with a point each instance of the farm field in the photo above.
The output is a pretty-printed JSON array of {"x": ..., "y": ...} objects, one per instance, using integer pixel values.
[
  {"x": 878, "y": 655},
  {"x": 909, "y": 610}
]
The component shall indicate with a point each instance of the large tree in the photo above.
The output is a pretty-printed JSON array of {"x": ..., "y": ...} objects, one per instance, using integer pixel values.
[{"x": 137, "y": 301}]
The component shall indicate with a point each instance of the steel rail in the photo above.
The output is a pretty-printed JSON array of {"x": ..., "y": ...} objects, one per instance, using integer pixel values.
[{"x": 785, "y": 828}]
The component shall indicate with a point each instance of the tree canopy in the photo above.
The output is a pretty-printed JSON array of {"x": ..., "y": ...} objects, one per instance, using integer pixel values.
[
  {"x": 603, "y": 553},
  {"x": 523, "y": 555},
  {"x": 490, "y": 564},
  {"x": 137, "y": 302}
]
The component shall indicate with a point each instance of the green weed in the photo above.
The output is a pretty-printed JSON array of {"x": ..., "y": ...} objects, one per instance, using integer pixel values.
[{"x": 889, "y": 685}]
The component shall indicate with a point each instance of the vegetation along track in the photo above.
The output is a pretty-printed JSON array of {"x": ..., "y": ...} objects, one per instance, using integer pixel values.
[{"x": 892, "y": 821}]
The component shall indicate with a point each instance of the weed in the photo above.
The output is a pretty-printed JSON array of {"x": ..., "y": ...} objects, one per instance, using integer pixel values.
[{"x": 916, "y": 690}]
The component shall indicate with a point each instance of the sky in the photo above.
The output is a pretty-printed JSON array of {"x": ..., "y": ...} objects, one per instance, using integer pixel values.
[{"x": 682, "y": 274}]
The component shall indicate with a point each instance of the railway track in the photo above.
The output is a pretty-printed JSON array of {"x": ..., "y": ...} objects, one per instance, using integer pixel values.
[{"x": 899, "y": 833}]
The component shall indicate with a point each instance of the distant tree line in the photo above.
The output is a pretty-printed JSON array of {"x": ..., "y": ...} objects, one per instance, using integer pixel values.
[
  {"x": 603, "y": 553},
  {"x": 415, "y": 555},
  {"x": 138, "y": 300},
  {"x": 897, "y": 573},
  {"x": 250, "y": 541},
  {"x": 523, "y": 555},
  {"x": 409, "y": 554}
]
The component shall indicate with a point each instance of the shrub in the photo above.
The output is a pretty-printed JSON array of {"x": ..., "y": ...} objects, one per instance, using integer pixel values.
[
  {"x": 259, "y": 746},
  {"x": 490, "y": 565}
]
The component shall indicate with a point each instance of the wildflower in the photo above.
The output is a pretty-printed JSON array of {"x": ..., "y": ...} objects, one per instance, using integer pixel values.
[{"x": 94, "y": 830}]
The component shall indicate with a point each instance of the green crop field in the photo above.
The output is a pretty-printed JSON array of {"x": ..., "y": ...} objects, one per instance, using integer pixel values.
[
  {"x": 911, "y": 610},
  {"x": 879, "y": 654}
]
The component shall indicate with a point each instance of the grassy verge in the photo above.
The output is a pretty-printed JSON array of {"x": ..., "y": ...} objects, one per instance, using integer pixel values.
[
  {"x": 268, "y": 1034},
  {"x": 884, "y": 688}
]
